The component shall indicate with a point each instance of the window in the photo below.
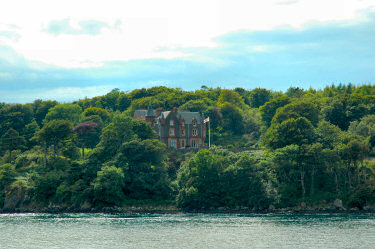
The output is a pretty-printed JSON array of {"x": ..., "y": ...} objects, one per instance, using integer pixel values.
[
  {"x": 171, "y": 131},
  {"x": 194, "y": 122},
  {"x": 173, "y": 143},
  {"x": 195, "y": 143},
  {"x": 182, "y": 123},
  {"x": 195, "y": 132},
  {"x": 171, "y": 122},
  {"x": 183, "y": 143},
  {"x": 182, "y": 131}
]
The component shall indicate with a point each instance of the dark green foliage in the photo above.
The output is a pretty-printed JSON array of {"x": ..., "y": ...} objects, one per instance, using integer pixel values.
[
  {"x": 71, "y": 112},
  {"x": 259, "y": 96},
  {"x": 143, "y": 130},
  {"x": 317, "y": 145},
  {"x": 102, "y": 113},
  {"x": 143, "y": 163},
  {"x": 292, "y": 131},
  {"x": 15, "y": 116},
  {"x": 41, "y": 109},
  {"x": 295, "y": 110},
  {"x": 10, "y": 141},
  {"x": 268, "y": 110},
  {"x": 108, "y": 186}
]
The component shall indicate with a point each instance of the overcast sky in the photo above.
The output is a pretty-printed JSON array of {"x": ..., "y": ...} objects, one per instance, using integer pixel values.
[{"x": 66, "y": 50}]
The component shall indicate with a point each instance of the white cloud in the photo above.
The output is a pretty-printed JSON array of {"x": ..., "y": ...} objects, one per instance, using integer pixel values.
[
  {"x": 63, "y": 94},
  {"x": 147, "y": 26}
]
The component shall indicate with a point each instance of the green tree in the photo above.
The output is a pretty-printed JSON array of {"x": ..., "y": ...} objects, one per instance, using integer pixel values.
[
  {"x": 41, "y": 109},
  {"x": 292, "y": 131},
  {"x": 53, "y": 133},
  {"x": 297, "y": 109},
  {"x": 71, "y": 112},
  {"x": 11, "y": 140},
  {"x": 198, "y": 180},
  {"x": 143, "y": 162},
  {"x": 108, "y": 186},
  {"x": 268, "y": 110},
  {"x": 259, "y": 96},
  {"x": 232, "y": 97},
  {"x": 87, "y": 135},
  {"x": 243, "y": 184},
  {"x": 102, "y": 113}
]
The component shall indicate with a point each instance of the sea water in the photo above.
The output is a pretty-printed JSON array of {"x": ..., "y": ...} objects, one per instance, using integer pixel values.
[{"x": 187, "y": 231}]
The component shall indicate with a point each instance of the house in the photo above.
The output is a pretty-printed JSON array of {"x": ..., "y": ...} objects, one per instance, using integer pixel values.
[{"x": 176, "y": 129}]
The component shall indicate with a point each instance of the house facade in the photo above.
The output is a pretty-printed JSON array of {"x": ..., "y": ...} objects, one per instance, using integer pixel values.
[{"x": 178, "y": 130}]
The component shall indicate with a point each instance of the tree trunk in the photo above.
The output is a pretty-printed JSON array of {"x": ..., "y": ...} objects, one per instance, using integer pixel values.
[
  {"x": 83, "y": 152},
  {"x": 336, "y": 182},
  {"x": 303, "y": 182},
  {"x": 312, "y": 181},
  {"x": 45, "y": 155},
  {"x": 54, "y": 151}
]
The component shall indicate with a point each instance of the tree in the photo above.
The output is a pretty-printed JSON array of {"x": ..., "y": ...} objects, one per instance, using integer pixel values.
[
  {"x": 87, "y": 135},
  {"x": 335, "y": 113},
  {"x": 71, "y": 112},
  {"x": 41, "y": 109},
  {"x": 232, "y": 97},
  {"x": 292, "y": 131},
  {"x": 295, "y": 110},
  {"x": 198, "y": 179},
  {"x": 11, "y": 140},
  {"x": 143, "y": 162},
  {"x": 123, "y": 102},
  {"x": 243, "y": 184},
  {"x": 102, "y": 113},
  {"x": 259, "y": 96},
  {"x": 268, "y": 110},
  {"x": 114, "y": 135},
  {"x": 16, "y": 117},
  {"x": 53, "y": 133},
  {"x": 143, "y": 129},
  {"x": 232, "y": 118},
  {"x": 108, "y": 186}
]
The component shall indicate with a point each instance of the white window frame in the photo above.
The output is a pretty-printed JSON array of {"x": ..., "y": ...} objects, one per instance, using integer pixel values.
[
  {"x": 171, "y": 132},
  {"x": 173, "y": 143},
  {"x": 194, "y": 132}
]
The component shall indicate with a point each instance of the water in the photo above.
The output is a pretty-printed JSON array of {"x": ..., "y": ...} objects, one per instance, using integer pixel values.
[{"x": 186, "y": 231}]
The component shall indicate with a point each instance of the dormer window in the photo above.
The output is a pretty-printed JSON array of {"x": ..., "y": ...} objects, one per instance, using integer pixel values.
[
  {"x": 194, "y": 122},
  {"x": 171, "y": 123}
]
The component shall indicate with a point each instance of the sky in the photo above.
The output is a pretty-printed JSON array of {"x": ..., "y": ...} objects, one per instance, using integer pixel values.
[{"x": 69, "y": 50}]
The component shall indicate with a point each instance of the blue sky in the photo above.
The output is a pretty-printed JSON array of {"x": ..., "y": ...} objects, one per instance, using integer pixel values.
[{"x": 72, "y": 52}]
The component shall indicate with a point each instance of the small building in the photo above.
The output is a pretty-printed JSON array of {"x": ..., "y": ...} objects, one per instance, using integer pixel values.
[{"x": 176, "y": 129}]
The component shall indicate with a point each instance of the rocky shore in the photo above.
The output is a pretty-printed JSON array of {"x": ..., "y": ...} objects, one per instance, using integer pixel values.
[{"x": 335, "y": 207}]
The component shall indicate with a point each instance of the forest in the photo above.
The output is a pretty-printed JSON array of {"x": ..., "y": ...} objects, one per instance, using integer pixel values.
[{"x": 269, "y": 149}]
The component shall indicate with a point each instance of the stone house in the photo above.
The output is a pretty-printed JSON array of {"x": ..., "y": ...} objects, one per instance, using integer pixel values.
[{"x": 176, "y": 129}]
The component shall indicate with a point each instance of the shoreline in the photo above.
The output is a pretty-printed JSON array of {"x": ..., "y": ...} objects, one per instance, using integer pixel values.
[{"x": 140, "y": 210}]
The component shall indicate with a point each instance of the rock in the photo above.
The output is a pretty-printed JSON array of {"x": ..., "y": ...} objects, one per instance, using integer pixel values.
[
  {"x": 302, "y": 205},
  {"x": 86, "y": 205},
  {"x": 338, "y": 204},
  {"x": 271, "y": 208},
  {"x": 14, "y": 197}
]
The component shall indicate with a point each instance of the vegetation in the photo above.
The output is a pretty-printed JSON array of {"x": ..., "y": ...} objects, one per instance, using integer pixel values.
[{"x": 301, "y": 147}]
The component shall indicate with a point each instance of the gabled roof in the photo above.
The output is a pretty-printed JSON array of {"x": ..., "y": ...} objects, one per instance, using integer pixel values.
[{"x": 187, "y": 116}]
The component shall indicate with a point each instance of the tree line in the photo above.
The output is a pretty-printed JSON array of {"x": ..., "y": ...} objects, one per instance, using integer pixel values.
[{"x": 300, "y": 146}]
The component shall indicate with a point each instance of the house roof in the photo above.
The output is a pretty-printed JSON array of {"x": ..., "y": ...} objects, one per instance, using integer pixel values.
[
  {"x": 144, "y": 113},
  {"x": 187, "y": 116}
]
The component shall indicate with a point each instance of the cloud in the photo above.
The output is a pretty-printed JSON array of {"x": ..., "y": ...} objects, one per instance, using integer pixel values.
[
  {"x": 85, "y": 27},
  {"x": 316, "y": 55}
]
